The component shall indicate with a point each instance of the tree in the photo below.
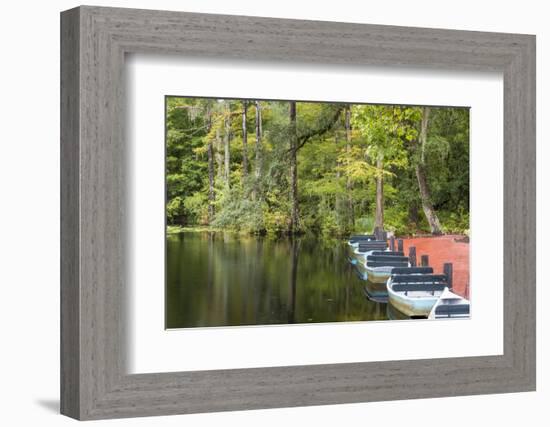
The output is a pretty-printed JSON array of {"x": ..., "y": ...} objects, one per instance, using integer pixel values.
[
  {"x": 349, "y": 184},
  {"x": 321, "y": 168},
  {"x": 293, "y": 138},
  {"x": 218, "y": 147},
  {"x": 385, "y": 129},
  {"x": 185, "y": 130},
  {"x": 324, "y": 120},
  {"x": 258, "y": 150},
  {"x": 227, "y": 143},
  {"x": 211, "y": 191},
  {"x": 379, "y": 216},
  {"x": 427, "y": 206},
  {"x": 245, "y": 140}
]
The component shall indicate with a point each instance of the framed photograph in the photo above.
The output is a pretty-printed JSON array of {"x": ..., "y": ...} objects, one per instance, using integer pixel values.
[{"x": 262, "y": 213}]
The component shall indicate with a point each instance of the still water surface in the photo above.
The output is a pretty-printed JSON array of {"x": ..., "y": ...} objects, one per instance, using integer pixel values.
[{"x": 222, "y": 279}]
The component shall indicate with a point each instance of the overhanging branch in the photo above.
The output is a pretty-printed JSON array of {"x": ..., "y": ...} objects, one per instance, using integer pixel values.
[{"x": 303, "y": 139}]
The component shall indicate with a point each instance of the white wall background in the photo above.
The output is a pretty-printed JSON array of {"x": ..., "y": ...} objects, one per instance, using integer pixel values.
[{"x": 29, "y": 183}]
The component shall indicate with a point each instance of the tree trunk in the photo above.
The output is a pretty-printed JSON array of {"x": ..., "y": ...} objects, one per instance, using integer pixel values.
[
  {"x": 338, "y": 196},
  {"x": 413, "y": 213},
  {"x": 379, "y": 217},
  {"x": 425, "y": 196},
  {"x": 258, "y": 148},
  {"x": 351, "y": 214},
  {"x": 341, "y": 215},
  {"x": 211, "y": 194},
  {"x": 427, "y": 207},
  {"x": 226, "y": 144},
  {"x": 218, "y": 153},
  {"x": 294, "y": 215},
  {"x": 245, "y": 141}
]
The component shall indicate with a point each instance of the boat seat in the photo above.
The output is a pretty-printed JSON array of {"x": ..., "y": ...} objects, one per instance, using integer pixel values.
[
  {"x": 388, "y": 253},
  {"x": 387, "y": 263},
  {"x": 373, "y": 242},
  {"x": 363, "y": 249},
  {"x": 393, "y": 258},
  {"x": 452, "y": 309},
  {"x": 424, "y": 287},
  {"x": 359, "y": 238},
  {"x": 419, "y": 278},
  {"x": 412, "y": 270}
]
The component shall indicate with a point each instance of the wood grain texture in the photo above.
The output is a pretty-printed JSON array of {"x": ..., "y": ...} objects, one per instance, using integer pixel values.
[
  {"x": 94, "y": 382},
  {"x": 70, "y": 263}
]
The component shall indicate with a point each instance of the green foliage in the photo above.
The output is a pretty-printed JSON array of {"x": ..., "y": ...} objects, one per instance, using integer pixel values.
[
  {"x": 173, "y": 229},
  {"x": 397, "y": 220},
  {"x": 174, "y": 209},
  {"x": 237, "y": 213},
  {"x": 337, "y": 167},
  {"x": 364, "y": 224},
  {"x": 456, "y": 222},
  {"x": 387, "y": 130},
  {"x": 449, "y": 166},
  {"x": 275, "y": 222},
  {"x": 196, "y": 206},
  {"x": 329, "y": 225}
]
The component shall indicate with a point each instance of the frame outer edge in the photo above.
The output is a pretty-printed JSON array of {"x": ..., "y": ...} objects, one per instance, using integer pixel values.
[
  {"x": 532, "y": 138},
  {"x": 520, "y": 216},
  {"x": 88, "y": 362},
  {"x": 526, "y": 77},
  {"x": 70, "y": 396}
]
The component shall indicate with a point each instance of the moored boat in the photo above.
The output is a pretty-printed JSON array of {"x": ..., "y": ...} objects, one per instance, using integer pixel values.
[
  {"x": 376, "y": 289},
  {"x": 415, "y": 294},
  {"x": 450, "y": 306},
  {"x": 378, "y": 268},
  {"x": 356, "y": 240},
  {"x": 358, "y": 253}
]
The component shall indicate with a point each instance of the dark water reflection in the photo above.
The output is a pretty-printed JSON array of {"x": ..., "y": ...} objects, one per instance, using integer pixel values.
[{"x": 222, "y": 279}]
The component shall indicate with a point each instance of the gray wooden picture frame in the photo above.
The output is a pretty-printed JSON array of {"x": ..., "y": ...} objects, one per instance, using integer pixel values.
[{"x": 94, "y": 381}]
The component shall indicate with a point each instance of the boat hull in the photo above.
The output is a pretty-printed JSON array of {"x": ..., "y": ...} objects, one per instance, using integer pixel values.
[
  {"x": 355, "y": 257},
  {"x": 412, "y": 307},
  {"x": 378, "y": 275},
  {"x": 351, "y": 253}
]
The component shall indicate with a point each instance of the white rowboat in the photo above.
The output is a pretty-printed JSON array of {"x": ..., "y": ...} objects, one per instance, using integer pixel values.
[
  {"x": 450, "y": 306},
  {"x": 416, "y": 294}
]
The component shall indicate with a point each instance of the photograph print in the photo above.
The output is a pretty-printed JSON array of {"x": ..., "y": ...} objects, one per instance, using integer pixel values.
[{"x": 297, "y": 212}]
